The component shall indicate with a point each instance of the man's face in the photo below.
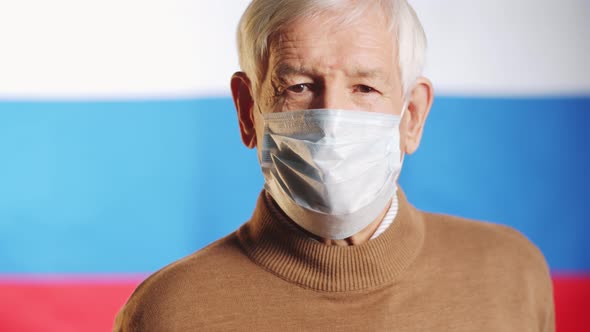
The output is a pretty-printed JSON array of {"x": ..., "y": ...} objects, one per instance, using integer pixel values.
[
  {"x": 320, "y": 63},
  {"x": 317, "y": 64}
]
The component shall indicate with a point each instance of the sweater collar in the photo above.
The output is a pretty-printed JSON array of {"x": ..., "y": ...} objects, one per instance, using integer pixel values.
[
  {"x": 277, "y": 214},
  {"x": 294, "y": 257}
]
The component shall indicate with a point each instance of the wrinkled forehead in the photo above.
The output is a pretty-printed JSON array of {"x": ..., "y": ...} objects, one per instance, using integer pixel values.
[
  {"x": 332, "y": 19},
  {"x": 360, "y": 43}
]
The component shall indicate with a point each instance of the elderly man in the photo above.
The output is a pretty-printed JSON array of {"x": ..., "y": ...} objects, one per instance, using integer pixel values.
[{"x": 332, "y": 97}]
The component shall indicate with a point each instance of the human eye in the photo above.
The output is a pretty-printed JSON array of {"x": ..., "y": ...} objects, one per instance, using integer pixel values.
[
  {"x": 362, "y": 88},
  {"x": 299, "y": 88}
]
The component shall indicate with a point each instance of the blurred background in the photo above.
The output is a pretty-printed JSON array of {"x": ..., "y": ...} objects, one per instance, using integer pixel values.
[{"x": 120, "y": 150}]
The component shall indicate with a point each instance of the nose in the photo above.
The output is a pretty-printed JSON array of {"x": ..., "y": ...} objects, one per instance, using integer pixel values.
[{"x": 334, "y": 95}]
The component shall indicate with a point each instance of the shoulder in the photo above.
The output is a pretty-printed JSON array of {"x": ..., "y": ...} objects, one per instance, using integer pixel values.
[
  {"x": 484, "y": 239},
  {"x": 162, "y": 298},
  {"x": 494, "y": 252},
  {"x": 498, "y": 261},
  {"x": 496, "y": 258}
]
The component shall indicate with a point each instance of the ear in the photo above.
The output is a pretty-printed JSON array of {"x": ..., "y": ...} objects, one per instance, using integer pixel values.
[
  {"x": 244, "y": 103},
  {"x": 419, "y": 105}
]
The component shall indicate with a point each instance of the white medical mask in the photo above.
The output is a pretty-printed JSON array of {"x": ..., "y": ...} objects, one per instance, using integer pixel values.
[{"x": 332, "y": 172}]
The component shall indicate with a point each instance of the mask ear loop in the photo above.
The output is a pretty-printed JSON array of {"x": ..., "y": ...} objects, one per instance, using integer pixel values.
[
  {"x": 403, "y": 155},
  {"x": 401, "y": 116},
  {"x": 258, "y": 117}
]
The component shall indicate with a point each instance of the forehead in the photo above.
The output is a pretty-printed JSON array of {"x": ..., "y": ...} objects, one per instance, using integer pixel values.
[{"x": 326, "y": 42}]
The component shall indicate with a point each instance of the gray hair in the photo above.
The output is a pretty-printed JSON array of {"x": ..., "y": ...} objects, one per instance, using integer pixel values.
[{"x": 263, "y": 18}]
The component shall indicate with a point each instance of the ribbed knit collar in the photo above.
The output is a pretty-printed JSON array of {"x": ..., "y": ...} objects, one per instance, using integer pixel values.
[{"x": 294, "y": 257}]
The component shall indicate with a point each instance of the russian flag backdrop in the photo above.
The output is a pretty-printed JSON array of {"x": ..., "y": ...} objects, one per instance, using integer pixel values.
[{"x": 120, "y": 150}]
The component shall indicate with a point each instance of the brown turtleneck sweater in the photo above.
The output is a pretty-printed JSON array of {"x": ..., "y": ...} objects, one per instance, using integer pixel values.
[{"x": 426, "y": 272}]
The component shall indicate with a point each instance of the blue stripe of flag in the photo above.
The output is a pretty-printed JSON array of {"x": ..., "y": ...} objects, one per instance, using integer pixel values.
[{"x": 128, "y": 186}]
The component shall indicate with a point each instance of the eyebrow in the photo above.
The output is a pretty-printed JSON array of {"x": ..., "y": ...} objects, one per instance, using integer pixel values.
[
  {"x": 368, "y": 73},
  {"x": 285, "y": 69}
]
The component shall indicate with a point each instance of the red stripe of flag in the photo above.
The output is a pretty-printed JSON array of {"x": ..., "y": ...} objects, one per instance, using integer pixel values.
[
  {"x": 64, "y": 306},
  {"x": 572, "y": 303}
]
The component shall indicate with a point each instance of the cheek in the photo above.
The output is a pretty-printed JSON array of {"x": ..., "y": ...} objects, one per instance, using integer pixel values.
[
  {"x": 369, "y": 104},
  {"x": 383, "y": 104}
]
